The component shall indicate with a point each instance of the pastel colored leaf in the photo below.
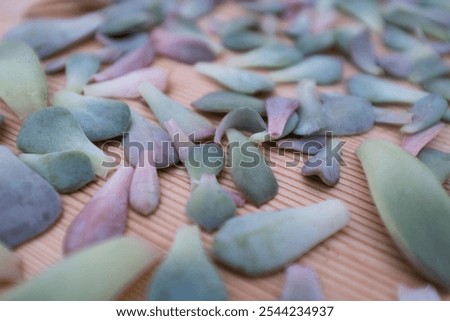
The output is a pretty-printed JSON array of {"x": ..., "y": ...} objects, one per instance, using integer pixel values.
[
  {"x": 104, "y": 216},
  {"x": 58, "y": 130},
  {"x": 325, "y": 164},
  {"x": 265, "y": 6},
  {"x": 226, "y": 101},
  {"x": 194, "y": 9},
  {"x": 67, "y": 171},
  {"x": 279, "y": 110},
  {"x": 100, "y": 118},
  {"x": 144, "y": 188},
  {"x": 48, "y": 36},
  {"x": 347, "y": 115},
  {"x": 397, "y": 39},
  {"x": 249, "y": 170},
  {"x": 287, "y": 129},
  {"x": 269, "y": 24},
  {"x": 204, "y": 159},
  {"x": 10, "y": 266},
  {"x": 79, "y": 69},
  {"x": 299, "y": 25},
  {"x": 126, "y": 86},
  {"x": 310, "y": 111},
  {"x": 209, "y": 205},
  {"x": 186, "y": 274},
  {"x": 182, "y": 143},
  {"x": 30, "y": 205},
  {"x": 363, "y": 54},
  {"x": 274, "y": 239},
  {"x": 415, "y": 142},
  {"x": 124, "y": 44},
  {"x": 309, "y": 145},
  {"x": 237, "y": 197},
  {"x": 367, "y": 11},
  {"x": 323, "y": 69},
  {"x": 138, "y": 58},
  {"x": 301, "y": 284},
  {"x": 379, "y": 90},
  {"x": 437, "y": 161},
  {"x": 98, "y": 273},
  {"x": 241, "y": 81},
  {"x": 311, "y": 43},
  {"x": 23, "y": 86},
  {"x": 345, "y": 34},
  {"x": 430, "y": 68},
  {"x": 145, "y": 137},
  {"x": 243, "y": 119},
  {"x": 239, "y": 24},
  {"x": 243, "y": 40},
  {"x": 182, "y": 47},
  {"x": 415, "y": 208},
  {"x": 427, "y": 111},
  {"x": 271, "y": 55},
  {"x": 439, "y": 85},
  {"x": 165, "y": 109},
  {"x": 426, "y": 293},
  {"x": 389, "y": 117}
]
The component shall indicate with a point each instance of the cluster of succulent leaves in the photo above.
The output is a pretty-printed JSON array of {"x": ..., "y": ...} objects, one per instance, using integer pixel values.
[{"x": 58, "y": 147}]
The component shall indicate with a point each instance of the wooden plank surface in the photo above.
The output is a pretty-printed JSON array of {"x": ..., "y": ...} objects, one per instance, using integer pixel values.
[{"x": 359, "y": 263}]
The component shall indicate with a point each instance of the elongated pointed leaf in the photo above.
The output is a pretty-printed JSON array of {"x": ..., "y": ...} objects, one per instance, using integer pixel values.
[
  {"x": 21, "y": 72},
  {"x": 415, "y": 142},
  {"x": 243, "y": 40},
  {"x": 378, "y": 90},
  {"x": 363, "y": 54},
  {"x": 437, "y": 161},
  {"x": 397, "y": 39},
  {"x": 274, "y": 239},
  {"x": 48, "y": 36},
  {"x": 100, "y": 118},
  {"x": 105, "y": 215},
  {"x": 301, "y": 284},
  {"x": 10, "y": 269},
  {"x": 365, "y": 10},
  {"x": 58, "y": 130},
  {"x": 323, "y": 69},
  {"x": 66, "y": 171},
  {"x": 194, "y": 9},
  {"x": 389, "y": 117},
  {"x": 279, "y": 110},
  {"x": 165, "y": 109},
  {"x": 310, "y": 111},
  {"x": 439, "y": 86},
  {"x": 249, "y": 170},
  {"x": 288, "y": 128},
  {"x": 26, "y": 212},
  {"x": 226, "y": 101},
  {"x": 79, "y": 69},
  {"x": 126, "y": 86},
  {"x": 97, "y": 273},
  {"x": 429, "y": 68},
  {"x": 415, "y": 208},
  {"x": 186, "y": 273},
  {"x": 311, "y": 43}
]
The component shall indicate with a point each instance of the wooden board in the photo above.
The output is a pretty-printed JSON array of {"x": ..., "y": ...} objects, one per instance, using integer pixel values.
[{"x": 359, "y": 263}]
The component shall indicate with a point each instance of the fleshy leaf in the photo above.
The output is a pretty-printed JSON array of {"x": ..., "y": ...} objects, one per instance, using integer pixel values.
[
  {"x": 309, "y": 145},
  {"x": 426, "y": 293},
  {"x": 48, "y": 36},
  {"x": 144, "y": 188},
  {"x": 440, "y": 86},
  {"x": 325, "y": 164},
  {"x": 288, "y": 128},
  {"x": 404, "y": 190},
  {"x": 389, "y": 117},
  {"x": 186, "y": 274},
  {"x": 26, "y": 212},
  {"x": 210, "y": 205},
  {"x": 437, "y": 161},
  {"x": 100, "y": 118},
  {"x": 23, "y": 86},
  {"x": 139, "y": 58},
  {"x": 301, "y": 284},
  {"x": 365, "y": 10},
  {"x": 323, "y": 69},
  {"x": 97, "y": 273},
  {"x": 239, "y": 24},
  {"x": 226, "y": 101},
  {"x": 194, "y": 9},
  {"x": 249, "y": 170},
  {"x": 415, "y": 142},
  {"x": 345, "y": 34},
  {"x": 126, "y": 86},
  {"x": 182, "y": 47},
  {"x": 398, "y": 39},
  {"x": 311, "y": 43},
  {"x": 66, "y": 171},
  {"x": 274, "y": 239},
  {"x": 58, "y": 130},
  {"x": 104, "y": 216},
  {"x": 79, "y": 69},
  {"x": 243, "y": 119},
  {"x": 429, "y": 68},
  {"x": 362, "y": 52},
  {"x": 279, "y": 110},
  {"x": 124, "y": 44},
  {"x": 265, "y": 6},
  {"x": 271, "y": 55},
  {"x": 243, "y": 40},
  {"x": 379, "y": 90},
  {"x": 427, "y": 112},
  {"x": 10, "y": 265},
  {"x": 241, "y": 81},
  {"x": 311, "y": 114},
  {"x": 144, "y": 137},
  {"x": 195, "y": 126}
]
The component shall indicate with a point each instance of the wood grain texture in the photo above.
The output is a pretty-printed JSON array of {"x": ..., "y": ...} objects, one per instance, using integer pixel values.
[{"x": 359, "y": 263}]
